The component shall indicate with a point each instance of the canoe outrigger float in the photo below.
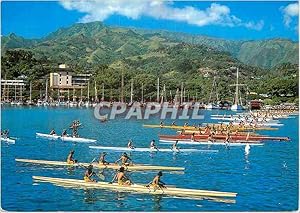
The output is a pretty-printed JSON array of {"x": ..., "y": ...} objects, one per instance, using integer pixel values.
[
  {"x": 101, "y": 166},
  {"x": 135, "y": 188},
  {"x": 234, "y": 128}
]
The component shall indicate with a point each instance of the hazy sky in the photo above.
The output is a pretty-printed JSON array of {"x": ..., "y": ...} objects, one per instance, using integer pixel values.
[{"x": 231, "y": 20}]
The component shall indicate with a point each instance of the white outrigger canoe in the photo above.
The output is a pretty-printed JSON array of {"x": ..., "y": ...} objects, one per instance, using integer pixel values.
[
  {"x": 47, "y": 136},
  {"x": 139, "y": 188},
  {"x": 8, "y": 140},
  {"x": 65, "y": 138},
  {"x": 189, "y": 142},
  {"x": 121, "y": 149},
  {"x": 75, "y": 139},
  {"x": 133, "y": 167}
]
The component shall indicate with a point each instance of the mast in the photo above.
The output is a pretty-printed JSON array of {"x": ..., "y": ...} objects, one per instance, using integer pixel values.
[
  {"x": 122, "y": 88},
  {"x": 131, "y": 92},
  {"x": 102, "y": 99},
  {"x": 68, "y": 95},
  {"x": 73, "y": 94},
  {"x": 58, "y": 94},
  {"x": 184, "y": 94},
  {"x": 21, "y": 93},
  {"x": 142, "y": 92},
  {"x": 96, "y": 92},
  {"x": 30, "y": 88},
  {"x": 81, "y": 94},
  {"x": 15, "y": 92},
  {"x": 236, "y": 99},
  {"x": 46, "y": 92},
  {"x": 181, "y": 93},
  {"x": 163, "y": 98},
  {"x": 176, "y": 96},
  {"x": 157, "y": 97},
  {"x": 88, "y": 93}
]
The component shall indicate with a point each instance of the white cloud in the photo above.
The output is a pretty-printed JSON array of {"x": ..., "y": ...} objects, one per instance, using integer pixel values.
[
  {"x": 216, "y": 14},
  {"x": 289, "y": 12}
]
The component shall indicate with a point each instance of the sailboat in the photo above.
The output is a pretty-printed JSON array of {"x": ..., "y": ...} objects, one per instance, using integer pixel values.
[
  {"x": 237, "y": 102},
  {"x": 210, "y": 104}
]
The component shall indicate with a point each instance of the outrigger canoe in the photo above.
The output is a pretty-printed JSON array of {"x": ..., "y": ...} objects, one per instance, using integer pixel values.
[
  {"x": 233, "y": 128},
  {"x": 135, "y": 188},
  {"x": 240, "y": 143},
  {"x": 101, "y": 166},
  {"x": 65, "y": 138},
  {"x": 121, "y": 149},
  {"x": 233, "y": 137},
  {"x": 8, "y": 140},
  {"x": 47, "y": 136}
]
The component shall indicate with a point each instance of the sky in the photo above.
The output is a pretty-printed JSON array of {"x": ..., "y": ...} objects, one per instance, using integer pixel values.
[{"x": 229, "y": 20}]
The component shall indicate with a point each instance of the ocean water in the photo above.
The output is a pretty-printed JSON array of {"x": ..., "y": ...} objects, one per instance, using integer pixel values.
[{"x": 266, "y": 179}]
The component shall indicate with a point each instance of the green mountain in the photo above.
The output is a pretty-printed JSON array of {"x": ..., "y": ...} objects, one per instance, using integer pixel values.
[
  {"x": 142, "y": 56},
  {"x": 262, "y": 53},
  {"x": 13, "y": 41},
  {"x": 96, "y": 43}
]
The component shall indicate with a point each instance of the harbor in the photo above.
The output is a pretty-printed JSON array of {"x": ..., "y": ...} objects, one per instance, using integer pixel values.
[
  {"x": 149, "y": 106},
  {"x": 260, "y": 172}
]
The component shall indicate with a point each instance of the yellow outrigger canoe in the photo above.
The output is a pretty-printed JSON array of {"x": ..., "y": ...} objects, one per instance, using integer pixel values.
[
  {"x": 133, "y": 167},
  {"x": 135, "y": 188}
]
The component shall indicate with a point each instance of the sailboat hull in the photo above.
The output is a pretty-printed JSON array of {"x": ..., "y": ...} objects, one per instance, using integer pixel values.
[{"x": 236, "y": 107}]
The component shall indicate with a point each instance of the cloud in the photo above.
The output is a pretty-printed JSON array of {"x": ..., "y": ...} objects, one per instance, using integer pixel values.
[
  {"x": 289, "y": 12},
  {"x": 216, "y": 14}
]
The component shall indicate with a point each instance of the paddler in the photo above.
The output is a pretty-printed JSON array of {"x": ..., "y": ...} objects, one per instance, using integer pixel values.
[
  {"x": 70, "y": 159},
  {"x": 5, "y": 133},
  {"x": 124, "y": 159},
  {"x": 88, "y": 174},
  {"x": 193, "y": 137},
  {"x": 52, "y": 132},
  {"x": 102, "y": 160},
  {"x": 64, "y": 133},
  {"x": 227, "y": 140},
  {"x": 161, "y": 124},
  {"x": 74, "y": 126},
  {"x": 173, "y": 123},
  {"x": 130, "y": 144},
  {"x": 152, "y": 145},
  {"x": 121, "y": 177},
  {"x": 156, "y": 182},
  {"x": 174, "y": 146}
]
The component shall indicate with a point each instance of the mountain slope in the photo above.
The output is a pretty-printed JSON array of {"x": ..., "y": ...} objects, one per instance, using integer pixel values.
[{"x": 96, "y": 43}]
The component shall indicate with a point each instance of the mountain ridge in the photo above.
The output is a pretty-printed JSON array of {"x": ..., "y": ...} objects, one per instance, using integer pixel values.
[{"x": 267, "y": 53}]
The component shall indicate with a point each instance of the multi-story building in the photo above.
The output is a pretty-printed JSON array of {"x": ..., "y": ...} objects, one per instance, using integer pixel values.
[{"x": 64, "y": 78}]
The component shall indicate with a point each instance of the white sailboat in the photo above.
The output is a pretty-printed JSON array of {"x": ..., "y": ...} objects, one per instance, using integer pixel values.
[
  {"x": 237, "y": 102},
  {"x": 211, "y": 104}
]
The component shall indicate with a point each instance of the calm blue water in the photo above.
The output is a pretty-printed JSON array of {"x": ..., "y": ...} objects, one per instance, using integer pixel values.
[{"x": 265, "y": 180}]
